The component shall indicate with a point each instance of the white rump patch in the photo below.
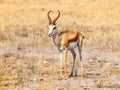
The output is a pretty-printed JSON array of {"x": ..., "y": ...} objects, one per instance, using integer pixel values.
[{"x": 73, "y": 45}]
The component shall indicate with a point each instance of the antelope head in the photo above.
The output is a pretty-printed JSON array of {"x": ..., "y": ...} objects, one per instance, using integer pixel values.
[{"x": 52, "y": 24}]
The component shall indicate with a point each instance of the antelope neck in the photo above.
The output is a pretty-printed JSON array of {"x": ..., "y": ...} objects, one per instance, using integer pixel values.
[{"x": 55, "y": 37}]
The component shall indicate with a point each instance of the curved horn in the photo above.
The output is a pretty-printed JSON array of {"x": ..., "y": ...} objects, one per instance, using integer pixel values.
[
  {"x": 49, "y": 18},
  {"x": 56, "y": 17}
]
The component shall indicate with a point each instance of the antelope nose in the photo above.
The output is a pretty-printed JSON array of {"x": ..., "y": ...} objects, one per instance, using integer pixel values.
[{"x": 49, "y": 35}]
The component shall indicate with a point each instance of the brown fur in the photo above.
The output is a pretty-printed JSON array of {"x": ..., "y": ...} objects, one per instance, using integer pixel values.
[{"x": 65, "y": 37}]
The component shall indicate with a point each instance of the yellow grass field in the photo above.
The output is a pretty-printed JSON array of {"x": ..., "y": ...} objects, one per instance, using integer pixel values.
[{"x": 28, "y": 59}]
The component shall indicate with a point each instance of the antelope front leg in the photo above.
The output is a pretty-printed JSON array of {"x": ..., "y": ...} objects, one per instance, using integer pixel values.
[
  {"x": 65, "y": 55},
  {"x": 61, "y": 62}
]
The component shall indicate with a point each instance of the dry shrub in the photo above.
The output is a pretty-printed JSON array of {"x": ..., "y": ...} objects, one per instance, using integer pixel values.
[
  {"x": 103, "y": 83},
  {"x": 22, "y": 33},
  {"x": 20, "y": 45}
]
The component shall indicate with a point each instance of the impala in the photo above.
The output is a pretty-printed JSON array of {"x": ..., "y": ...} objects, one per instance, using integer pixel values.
[{"x": 65, "y": 40}]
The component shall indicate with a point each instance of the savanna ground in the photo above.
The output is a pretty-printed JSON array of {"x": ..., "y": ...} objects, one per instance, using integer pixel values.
[{"x": 29, "y": 60}]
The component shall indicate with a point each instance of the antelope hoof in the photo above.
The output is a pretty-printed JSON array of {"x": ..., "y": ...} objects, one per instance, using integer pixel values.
[
  {"x": 65, "y": 76},
  {"x": 82, "y": 74},
  {"x": 71, "y": 75}
]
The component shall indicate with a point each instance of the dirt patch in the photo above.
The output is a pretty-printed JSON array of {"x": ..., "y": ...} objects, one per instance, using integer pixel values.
[{"x": 38, "y": 68}]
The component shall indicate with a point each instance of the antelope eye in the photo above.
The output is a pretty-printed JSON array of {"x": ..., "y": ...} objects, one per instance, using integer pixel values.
[{"x": 54, "y": 28}]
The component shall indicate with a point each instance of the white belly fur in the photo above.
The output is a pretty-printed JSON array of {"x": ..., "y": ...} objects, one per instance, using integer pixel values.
[{"x": 72, "y": 45}]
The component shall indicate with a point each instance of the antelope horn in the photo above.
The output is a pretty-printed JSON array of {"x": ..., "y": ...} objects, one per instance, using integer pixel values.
[
  {"x": 56, "y": 17},
  {"x": 49, "y": 18}
]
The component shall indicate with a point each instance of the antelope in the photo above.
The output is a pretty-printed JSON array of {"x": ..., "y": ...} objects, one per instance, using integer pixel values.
[{"x": 65, "y": 40}]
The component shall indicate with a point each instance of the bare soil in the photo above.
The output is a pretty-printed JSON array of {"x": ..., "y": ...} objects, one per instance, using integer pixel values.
[{"x": 37, "y": 68}]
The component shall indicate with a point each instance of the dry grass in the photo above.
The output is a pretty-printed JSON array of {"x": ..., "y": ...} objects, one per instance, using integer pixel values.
[
  {"x": 2, "y": 36},
  {"x": 24, "y": 44},
  {"x": 99, "y": 22},
  {"x": 36, "y": 73}
]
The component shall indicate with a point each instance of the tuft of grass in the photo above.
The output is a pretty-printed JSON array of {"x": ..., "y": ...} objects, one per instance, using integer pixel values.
[
  {"x": 20, "y": 46},
  {"x": 2, "y": 36},
  {"x": 22, "y": 33}
]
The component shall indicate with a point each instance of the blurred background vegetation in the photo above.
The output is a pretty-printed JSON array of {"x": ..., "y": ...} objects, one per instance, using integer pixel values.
[{"x": 98, "y": 20}]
